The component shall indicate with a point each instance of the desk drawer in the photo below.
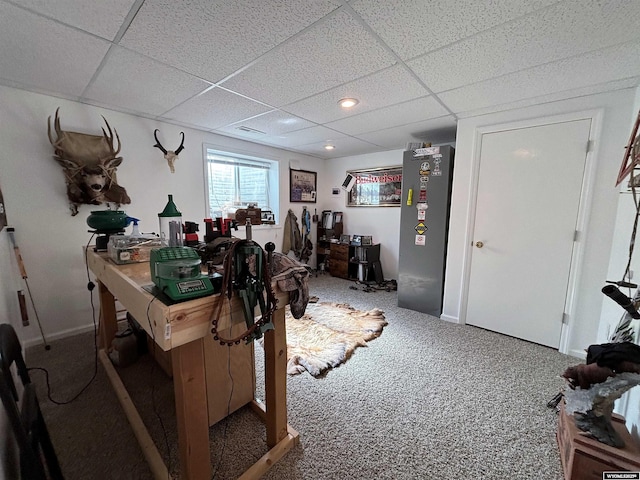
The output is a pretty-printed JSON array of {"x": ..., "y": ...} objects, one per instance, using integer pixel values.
[
  {"x": 339, "y": 269},
  {"x": 339, "y": 252}
]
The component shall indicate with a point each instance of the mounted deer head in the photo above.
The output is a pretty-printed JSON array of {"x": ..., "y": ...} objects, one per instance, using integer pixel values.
[
  {"x": 170, "y": 156},
  {"x": 89, "y": 163}
]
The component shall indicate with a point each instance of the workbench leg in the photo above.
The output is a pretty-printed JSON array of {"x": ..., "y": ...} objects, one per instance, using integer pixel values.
[
  {"x": 108, "y": 319},
  {"x": 275, "y": 354},
  {"x": 191, "y": 410}
]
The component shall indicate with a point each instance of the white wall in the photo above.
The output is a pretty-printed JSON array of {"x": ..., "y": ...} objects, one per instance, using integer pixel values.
[
  {"x": 51, "y": 240},
  {"x": 382, "y": 223},
  {"x": 615, "y": 110}
]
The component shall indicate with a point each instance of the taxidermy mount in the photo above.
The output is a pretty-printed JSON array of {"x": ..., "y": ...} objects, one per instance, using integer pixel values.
[
  {"x": 169, "y": 155},
  {"x": 89, "y": 163}
]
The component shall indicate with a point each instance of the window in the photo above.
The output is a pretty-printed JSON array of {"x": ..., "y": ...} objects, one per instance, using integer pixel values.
[{"x": 234, "y": 181}]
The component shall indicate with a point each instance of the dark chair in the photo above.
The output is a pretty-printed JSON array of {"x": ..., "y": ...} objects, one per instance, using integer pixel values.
[{"x": 38, "y": 460}]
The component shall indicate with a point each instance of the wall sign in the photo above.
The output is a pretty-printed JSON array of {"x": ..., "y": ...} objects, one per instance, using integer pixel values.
[{"x": 377, "y": 187}]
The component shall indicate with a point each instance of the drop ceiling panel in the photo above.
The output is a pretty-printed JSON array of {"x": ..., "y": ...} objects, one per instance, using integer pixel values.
[
  {"x": 414, "y": 27},
  {"x": 333, "y": 52},
  {"x": 282, "y": 65},
  {"x": 437, "y": 130},
  {"x": 271, "y": 123},
  {"x": 306, "y": 136},
  {"x": 386, "y": 87},
  {"x": 408, "y": 112},
  {"x": 43, "y": 54},
  {"x": 215, "y": 108},
  {"x": 345, "y": 146},
  {"x": 102, "y": 18},
  {"x": 125, "y": 78},
  {"x": 567, "y": 29},
  {"x": 615, "y": 63},
  {"x": 554, "y": 97},
  {"x": 212, "y": 39}
]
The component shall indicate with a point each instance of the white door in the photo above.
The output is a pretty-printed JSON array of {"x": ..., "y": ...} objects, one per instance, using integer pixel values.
[{"x": 529, "y": 190}]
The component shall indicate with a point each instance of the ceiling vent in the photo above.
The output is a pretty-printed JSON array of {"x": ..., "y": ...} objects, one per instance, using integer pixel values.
[{"x": 251, "y": 130}]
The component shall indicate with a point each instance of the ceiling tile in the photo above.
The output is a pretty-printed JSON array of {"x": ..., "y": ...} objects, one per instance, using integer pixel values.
[
  {"x": 125, "y": 78},
  {"x": 306, "y": 136},
  {"x": 386, "y": 87},
  {"x": 46, "y": 55},
  {"x": 593, "y": 68},
  {"x": 333, "y": 52},
  {"x": 212, "y": 39},
  {"x": 103, "y": 18},
  {"x": 215, "y": 108},
  {"x": 395, "y": 115},
  {"x": 554, "y": 97},
  {"x": 487, "y": 15},
  {"x": 567, "y": 29},
  {"x": 271, "y": 123},
  {"x": 414, "y": 27},
  {"x": 345, "y": 146},
  {"x": 437, "y": 130}
]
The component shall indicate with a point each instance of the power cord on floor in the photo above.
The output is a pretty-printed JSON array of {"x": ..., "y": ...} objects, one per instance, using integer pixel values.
[{"x": 90, "y": 287}]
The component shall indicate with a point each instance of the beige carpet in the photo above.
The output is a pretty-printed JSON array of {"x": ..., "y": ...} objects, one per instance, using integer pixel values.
[{"x": 327, "y": 334}]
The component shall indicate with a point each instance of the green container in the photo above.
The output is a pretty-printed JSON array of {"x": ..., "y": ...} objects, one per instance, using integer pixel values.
[{"x": 108, "y": 220}]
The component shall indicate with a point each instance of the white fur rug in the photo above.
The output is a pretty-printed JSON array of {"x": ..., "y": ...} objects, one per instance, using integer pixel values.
[{"x": 327, "y": 335}]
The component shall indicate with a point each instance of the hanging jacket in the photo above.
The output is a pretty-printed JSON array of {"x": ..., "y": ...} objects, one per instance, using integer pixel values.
[
  {"x": 307, "y": 245},
  {"x": 291, "y": 238}
]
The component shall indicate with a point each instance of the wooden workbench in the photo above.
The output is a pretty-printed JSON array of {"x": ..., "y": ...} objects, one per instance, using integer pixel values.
[{"x": 182, "y": 329}]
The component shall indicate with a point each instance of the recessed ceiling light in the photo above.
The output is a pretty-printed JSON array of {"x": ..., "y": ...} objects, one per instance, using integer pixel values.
[
  {"x": 329, "y": 147},
  {"x": 348, "y": 102}
]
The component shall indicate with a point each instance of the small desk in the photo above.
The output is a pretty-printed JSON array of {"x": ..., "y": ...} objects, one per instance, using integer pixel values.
[{"x": 181, "y": 329}]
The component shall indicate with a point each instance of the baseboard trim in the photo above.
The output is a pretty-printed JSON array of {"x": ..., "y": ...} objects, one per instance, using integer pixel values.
[
  {"x": 449, "y": 318},
  {"x": 578, "y": 353},
  {"x": 58, "y": 335}
]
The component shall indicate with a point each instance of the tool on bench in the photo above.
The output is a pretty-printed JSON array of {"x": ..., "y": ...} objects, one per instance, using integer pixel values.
[
  {"x": 247, "y": 274},
  {"x": 176, "y": 272}
]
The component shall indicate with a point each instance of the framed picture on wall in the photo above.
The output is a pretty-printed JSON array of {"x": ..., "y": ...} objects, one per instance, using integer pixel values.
[
  {"x": 302, "y": 186},
  {"x": 376, "y": 187}
]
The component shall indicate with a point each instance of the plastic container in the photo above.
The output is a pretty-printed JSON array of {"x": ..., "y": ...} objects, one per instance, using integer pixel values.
[
  {"x": 125, "y": 249},
  {"x": 171, "y": 225}
]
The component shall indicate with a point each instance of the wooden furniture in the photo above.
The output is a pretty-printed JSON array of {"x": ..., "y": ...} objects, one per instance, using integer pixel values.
[
  {"x": 355, "y": 262},
  {"x": 323, "y": 246},
  {"x": 339, "y": 260},
  {"x": 324, "y": 237},
  {"x": 183, "y": 329},
  {"x": 584, "y": 458}
]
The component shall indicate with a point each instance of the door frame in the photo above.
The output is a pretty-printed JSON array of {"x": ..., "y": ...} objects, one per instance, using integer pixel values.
[{"x": 584, "y": 208}]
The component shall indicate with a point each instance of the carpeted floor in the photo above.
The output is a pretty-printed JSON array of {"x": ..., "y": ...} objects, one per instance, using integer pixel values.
[{"x": 427, "y": 399}]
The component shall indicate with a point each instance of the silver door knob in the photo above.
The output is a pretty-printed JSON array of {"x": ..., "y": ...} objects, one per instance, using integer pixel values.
[{"x": 479, "y": 244}]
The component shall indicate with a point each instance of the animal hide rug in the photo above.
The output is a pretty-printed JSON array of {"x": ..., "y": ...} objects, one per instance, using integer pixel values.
[{"x": 327, "y": 334}]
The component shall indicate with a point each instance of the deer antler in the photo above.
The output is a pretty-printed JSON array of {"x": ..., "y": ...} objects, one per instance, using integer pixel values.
[
  {"x": 181, "y": 147},
  {"x": 109, "y": 139},
  {"x": 170, "y": 156},
  {"x": 158, "y": 144}
]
